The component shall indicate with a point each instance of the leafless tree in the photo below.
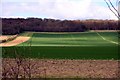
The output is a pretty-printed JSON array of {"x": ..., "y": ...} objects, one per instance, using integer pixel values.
[
  {"x": 13, "y": 69},
  {"x": 112, "y": 7}
]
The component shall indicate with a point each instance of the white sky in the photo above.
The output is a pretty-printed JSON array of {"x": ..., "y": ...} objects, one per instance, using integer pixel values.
[{"x": 57, "y": 9}]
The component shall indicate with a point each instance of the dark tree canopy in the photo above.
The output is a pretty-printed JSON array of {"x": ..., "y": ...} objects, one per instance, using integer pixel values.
[{"x": 19, "y": 25}]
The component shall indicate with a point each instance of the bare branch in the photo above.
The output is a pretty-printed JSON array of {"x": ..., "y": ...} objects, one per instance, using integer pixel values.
[{"x": 112, "y": 10}]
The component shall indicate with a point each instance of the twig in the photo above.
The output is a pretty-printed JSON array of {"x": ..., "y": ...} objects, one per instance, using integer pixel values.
[{"x": 112, "y": 10}]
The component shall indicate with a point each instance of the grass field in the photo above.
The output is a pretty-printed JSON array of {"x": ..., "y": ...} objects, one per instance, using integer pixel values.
[{"x": 52, "y": 45}]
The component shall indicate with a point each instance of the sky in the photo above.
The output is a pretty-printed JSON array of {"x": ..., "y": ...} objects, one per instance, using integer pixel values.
[{"x": 57, "y": 9}]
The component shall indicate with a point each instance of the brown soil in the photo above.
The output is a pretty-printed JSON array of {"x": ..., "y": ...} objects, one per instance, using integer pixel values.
[
  {"x": 65, "y": 68},
  {"x": 16, "y": 41}
]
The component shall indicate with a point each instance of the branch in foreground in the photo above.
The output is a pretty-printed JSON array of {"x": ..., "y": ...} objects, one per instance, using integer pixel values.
[{"x": 118, "y": 16}]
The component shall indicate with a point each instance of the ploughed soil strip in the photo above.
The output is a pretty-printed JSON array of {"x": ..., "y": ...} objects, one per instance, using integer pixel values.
[
  {"x": 46, "y": 68},
  {"x": 16, "y": 41}
]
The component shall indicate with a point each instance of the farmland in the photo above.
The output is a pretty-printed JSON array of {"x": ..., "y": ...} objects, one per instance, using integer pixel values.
[{"x": 65, "y": 45}]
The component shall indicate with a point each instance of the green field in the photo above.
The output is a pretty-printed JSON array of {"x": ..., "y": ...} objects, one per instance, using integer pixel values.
[{"x": 54, "y": 45}]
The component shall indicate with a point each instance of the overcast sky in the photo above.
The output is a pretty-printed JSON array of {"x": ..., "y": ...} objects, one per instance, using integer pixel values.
[{"x": 57, "y": 9}]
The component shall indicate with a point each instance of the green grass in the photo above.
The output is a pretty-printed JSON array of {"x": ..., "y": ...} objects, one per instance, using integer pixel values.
[
  {"x": 50, "y": 45},
  {"x": 72, "y": 39}
]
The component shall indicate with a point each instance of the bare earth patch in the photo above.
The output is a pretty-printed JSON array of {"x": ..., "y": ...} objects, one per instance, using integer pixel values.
[
  {"x": 7, "y": 37},
  {"x": 18, "y": 40},
  {"x": 3, "y": 37},
  {"x": 47, "y": 68}
]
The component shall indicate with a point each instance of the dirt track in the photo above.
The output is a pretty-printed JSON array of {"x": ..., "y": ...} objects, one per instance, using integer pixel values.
[{"x": 16, "y": 41}]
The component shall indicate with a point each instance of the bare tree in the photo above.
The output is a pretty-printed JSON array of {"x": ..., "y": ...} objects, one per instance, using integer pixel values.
[
  {"x": 13, "y": 69},
  {"x": 113, "y": 8}
]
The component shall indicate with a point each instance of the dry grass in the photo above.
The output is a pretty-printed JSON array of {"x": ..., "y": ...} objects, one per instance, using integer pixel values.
[{"x": 104, "y": 30}]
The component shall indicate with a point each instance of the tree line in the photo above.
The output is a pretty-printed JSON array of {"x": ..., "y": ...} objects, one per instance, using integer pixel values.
[{"x": 19, "y": 25}]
